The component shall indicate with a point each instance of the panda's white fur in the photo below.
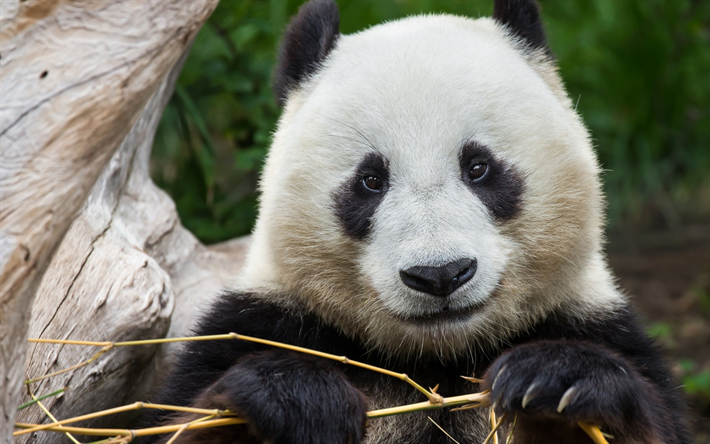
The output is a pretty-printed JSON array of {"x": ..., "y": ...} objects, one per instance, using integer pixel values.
[{"x": 415, "y": 90}]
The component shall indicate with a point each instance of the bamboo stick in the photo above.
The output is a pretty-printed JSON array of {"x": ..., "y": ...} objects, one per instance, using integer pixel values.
[
  {"x": 40, "y": 398},
  {"x": 593, "y": 432},
  {"x": 435, "y": 400},
  {"x": 496, "y": 426}
]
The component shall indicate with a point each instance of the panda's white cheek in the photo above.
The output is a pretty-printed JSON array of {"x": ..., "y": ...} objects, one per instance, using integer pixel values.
[
  {"x": 493, "y": 261},
  {"x": 379, "y": 271}
]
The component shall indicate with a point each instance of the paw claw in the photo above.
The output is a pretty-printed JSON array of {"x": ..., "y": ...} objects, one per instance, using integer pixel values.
[
  {"x": 530, "y": 394},
  {"x": 500, "y": 372},
  {"x": 567, "y": 399}
]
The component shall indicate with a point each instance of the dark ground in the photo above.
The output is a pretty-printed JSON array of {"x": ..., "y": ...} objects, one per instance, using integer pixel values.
[{"x": 667, "y": 276}]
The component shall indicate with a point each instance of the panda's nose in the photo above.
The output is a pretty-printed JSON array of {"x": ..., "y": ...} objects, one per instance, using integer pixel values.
[{"x": 441, "y": 280}]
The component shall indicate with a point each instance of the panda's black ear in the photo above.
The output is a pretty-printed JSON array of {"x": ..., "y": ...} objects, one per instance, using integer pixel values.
[
  {"x": 308, "y": 39},
  {"x": 522, "y": 18}
]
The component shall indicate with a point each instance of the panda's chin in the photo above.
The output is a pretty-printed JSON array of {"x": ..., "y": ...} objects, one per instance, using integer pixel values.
[{"x": 444, "y": 315}]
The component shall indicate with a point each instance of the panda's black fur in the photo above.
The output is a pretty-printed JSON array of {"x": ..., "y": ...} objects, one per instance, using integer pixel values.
[
  {"x": 270, "y": 385},
  {"x": 621, "y": 382}
]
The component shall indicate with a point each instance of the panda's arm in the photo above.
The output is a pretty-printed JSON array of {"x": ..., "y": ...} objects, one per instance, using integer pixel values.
[
  {"x": 605, "y": 371},
  {"x": 285, "y": 396}
]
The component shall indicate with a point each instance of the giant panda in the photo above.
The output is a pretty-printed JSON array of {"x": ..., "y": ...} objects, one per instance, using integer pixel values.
[{"x": 430, "y": 204}]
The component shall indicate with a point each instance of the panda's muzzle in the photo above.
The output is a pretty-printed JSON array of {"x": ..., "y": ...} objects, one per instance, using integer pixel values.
[{"x": 442, "y": 280}]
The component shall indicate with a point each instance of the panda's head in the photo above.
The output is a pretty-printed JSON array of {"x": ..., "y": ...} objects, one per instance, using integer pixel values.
[{"x": 429, "y": 188}]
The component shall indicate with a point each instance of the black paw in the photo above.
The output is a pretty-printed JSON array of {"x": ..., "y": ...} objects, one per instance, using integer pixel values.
[
  {"x": 571, "y": 381},
  {"x": 293, "y": 398}
]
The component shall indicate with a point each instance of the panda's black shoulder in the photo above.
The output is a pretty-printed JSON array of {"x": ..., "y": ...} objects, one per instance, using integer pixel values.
[
  {"x": 252, "y": 314},
  {"x": 249, "y": 314},
  {"x": 619, "y": 330}
]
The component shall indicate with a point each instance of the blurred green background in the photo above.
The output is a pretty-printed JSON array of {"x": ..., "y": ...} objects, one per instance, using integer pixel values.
[{"x": 638, "y": 70}]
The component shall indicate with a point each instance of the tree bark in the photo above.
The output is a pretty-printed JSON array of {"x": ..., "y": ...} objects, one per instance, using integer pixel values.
[{"x": 79, "y": 79}]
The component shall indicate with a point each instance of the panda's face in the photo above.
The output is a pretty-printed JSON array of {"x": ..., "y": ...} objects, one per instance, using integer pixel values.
[
  {"x": 426, "y": 216},
  {"x": 427, "y": 186},
  {"x": 426, "y": 191}
]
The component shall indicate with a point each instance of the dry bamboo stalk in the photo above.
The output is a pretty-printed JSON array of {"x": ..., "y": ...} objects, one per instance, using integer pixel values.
[
  {"x": 436, "y": 401},
  {"x": 593, "y": 432},
  {"x": 121, "y": 409},
  {"x": 135, "y": 433},
  {"x": 433, "y": 397},
  {"x": 420, "y": 406},
  {"x": 73, "y": 367},
  {"x": 60, "y": 425},
  {"x": 49, "y": 414},
  {"x": 113, "y": 440},
  {"x": 77, "y": 430},
  {"x": 442, "y": 430},
  {"x": 493, "y": 425},
  {"x": 496, "y": 426},
  {"x": 185, "y": 426},
  {"x": 126, "y": 408}
]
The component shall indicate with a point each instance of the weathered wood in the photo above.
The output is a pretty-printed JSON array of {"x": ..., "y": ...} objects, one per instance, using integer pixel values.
[
  {"x": 124, "y": 268},
  {"x": 75, "y": 77}
]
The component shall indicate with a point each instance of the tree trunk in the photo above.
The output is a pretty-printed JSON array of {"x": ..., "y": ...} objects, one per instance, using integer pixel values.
[{"x": 83, "y": 86}]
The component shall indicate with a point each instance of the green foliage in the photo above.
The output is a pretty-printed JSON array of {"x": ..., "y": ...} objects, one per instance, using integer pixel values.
[
  {"x": 662, "y": 332},
  {"x": 216, "y": 129},
  {"x": 696, "y": 382},
  {"x": 640, "y": 70},
  {"x": 701, "y": 291},
  {"x": 636, "y": 68}
]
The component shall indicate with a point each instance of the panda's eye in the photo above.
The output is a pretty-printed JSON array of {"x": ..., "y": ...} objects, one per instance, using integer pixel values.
[
  {"x": 372, "y": 183},
  {"x": 478, "y": 172}
]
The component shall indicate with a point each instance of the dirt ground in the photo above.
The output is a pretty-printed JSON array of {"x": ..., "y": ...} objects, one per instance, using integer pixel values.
[{"x": 667, "y": 276}]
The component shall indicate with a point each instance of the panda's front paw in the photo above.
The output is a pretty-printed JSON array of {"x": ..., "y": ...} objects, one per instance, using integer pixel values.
[
  {"x": 289, "y": 398},
  {"x": 569, "y": 381}
]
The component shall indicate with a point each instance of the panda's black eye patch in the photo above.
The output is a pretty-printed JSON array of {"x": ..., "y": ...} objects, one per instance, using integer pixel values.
[
  {"x": 496, "y": 183},
  {"x": 358, "y": 197}
]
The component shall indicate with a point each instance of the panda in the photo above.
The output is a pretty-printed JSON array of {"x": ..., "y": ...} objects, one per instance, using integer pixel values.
[{"x": 430, "y": 204}]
